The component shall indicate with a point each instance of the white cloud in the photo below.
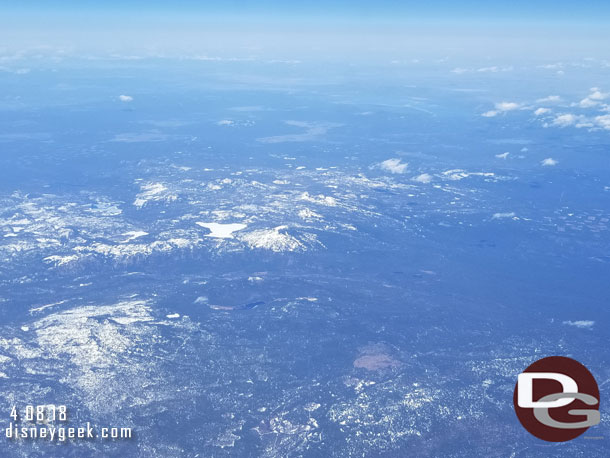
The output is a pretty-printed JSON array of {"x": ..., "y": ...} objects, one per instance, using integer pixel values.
[
  {"x": 501, "y": 107},
  {"x": 583, "y": 324},
  {"x": 587, "y": 103},
  {"x": 550, "y": 99},
  {"x": 565, "y": 120},
  {"x": 503, "y": 155},
  {"x": 593, "y": 99},
  {"x": 552, "y": 66},
  {"x": 580, "y": 121},
  {"x": 603, "y": 121},
  {"x": 491, "y": 69},
  {"x": 394, "y": 166},
  {"x": 549, "y": 161},
  {"x": 225, "y": 122},
  {"x": 541, "y": 111},
  {"x": 125, "y": 98},
  {"x": 460, "y": 174},
  {"x": 423, "y": 178},
  {"x": 504, "y": 215},
  {"x": 507, "y": 106},
  {"x": 596, "y": 94},
  {"x": 494, "y": 69}
]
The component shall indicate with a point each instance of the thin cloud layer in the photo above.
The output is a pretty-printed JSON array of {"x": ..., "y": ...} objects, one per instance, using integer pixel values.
[{"x": 550, "y": 99}]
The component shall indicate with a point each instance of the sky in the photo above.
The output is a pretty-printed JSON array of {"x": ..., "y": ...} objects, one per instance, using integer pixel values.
[
  {"x": 539, "y": 10},
  {"x": 307, "y": 29}
]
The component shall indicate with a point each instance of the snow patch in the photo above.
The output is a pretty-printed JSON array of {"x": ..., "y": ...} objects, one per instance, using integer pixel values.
[
  {"x": 153, "y": 192},
  {"x": 57, "y": 260},
  {"x": 276, "y": 239},
  {"x": 132, "y": 235},
  {"x": 222, "y": 231}
]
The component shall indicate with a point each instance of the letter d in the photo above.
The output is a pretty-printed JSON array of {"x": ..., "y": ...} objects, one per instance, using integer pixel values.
[{"x": 525, "y": 388}]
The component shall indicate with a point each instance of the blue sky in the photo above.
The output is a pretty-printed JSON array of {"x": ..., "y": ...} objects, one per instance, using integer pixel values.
[
  {"x": 281, "y": 28},
  {"x": 595, "y": 11}
]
